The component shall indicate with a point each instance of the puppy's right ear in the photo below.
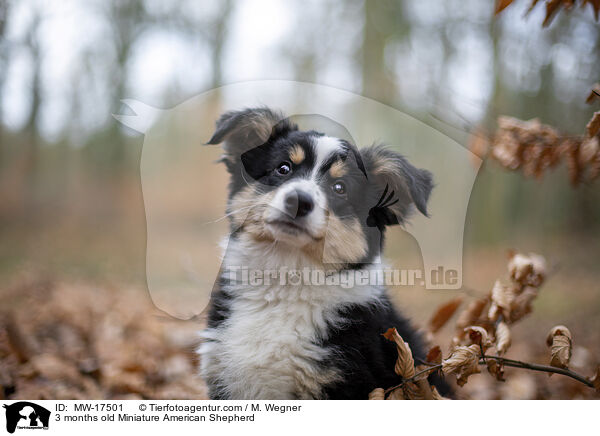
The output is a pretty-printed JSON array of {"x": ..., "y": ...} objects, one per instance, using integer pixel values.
[{"x": 241, "y": 131}]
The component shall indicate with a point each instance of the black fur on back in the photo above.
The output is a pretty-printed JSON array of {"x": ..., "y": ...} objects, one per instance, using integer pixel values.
[{"x": 365, "y": 357}]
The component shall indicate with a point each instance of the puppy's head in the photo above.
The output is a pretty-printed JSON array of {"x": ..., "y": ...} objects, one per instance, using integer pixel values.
[{"x": 313, "y": 192}]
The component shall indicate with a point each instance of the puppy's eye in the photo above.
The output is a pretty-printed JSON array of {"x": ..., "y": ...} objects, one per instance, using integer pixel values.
[
  {"x": 284, "y": 168},
  {"x": 339, "y": 188}
]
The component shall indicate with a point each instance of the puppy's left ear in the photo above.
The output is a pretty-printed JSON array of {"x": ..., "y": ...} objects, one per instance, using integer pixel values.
[
  {"x": 399, "y": 184},
  {"x": 244, "y": 130}
]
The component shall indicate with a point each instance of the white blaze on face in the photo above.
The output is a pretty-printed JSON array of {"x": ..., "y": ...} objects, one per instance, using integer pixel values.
[{"x": 316, "y": 220}]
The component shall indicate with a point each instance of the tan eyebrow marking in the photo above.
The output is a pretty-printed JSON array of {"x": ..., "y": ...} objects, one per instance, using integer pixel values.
[
  {"x": 297, "y": 154},
  {"x": 338, "y": 169}
]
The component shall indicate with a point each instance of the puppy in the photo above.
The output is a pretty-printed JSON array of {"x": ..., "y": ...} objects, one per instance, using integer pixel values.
[{"x": 306, "y": 210}]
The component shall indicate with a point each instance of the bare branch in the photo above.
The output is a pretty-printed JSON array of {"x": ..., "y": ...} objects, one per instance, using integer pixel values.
[{"x": 538, "y": 367}]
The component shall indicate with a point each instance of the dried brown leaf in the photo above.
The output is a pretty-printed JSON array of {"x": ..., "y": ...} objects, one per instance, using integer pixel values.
[
  {"x": 561, "y": 352},
  {"x": 425, "y": 389},
  {"x": 471, "y": 314},
  {"x": 478, "y": 335},
  {"x": 53, "y": 367},
  {"x": 569, "y": 150},
  {"x": 412, "y": 391},
  {"x": 443, "y": 314},
  {"x": 593, "y": 127},
  {"x": 85, "y": 344},
  {"x": 594, "y": 170},
  {"x": 559, "y": 330},
  {"x": 596, "y": 379},
  {"x": 535, "y": 160},
  {"x": 405, "y": 364},
  {"x": 527, "y": 269},
  {"x": 434, "y": 355},
  {"x": 589, "y": 156},
  {"x": 496, "y": 369},
  {"x": 503, "y": 339},
  {"x": 507, "y": 149},
  {"x": 377, "y": 394},
  {"x": 535, "y": 147},
  {"x": 463, "y": 362},
  {"x": 501, "y": 5},
  {"x": 588, "y": 150},
  {"x": 519, "y": 267},
  {"x": 396, "y": 394},
  {"x": 502, "y": 298},
  {"x": 560, "y": 342},
  {"x": 521, "y": 305},
  {"x": 539, "y": 272},
  {"x": 595, "y": 92},
  {"x": 419, "y": 390},
  {"x": 552, "y": 7},
  {"x": 19, "y": 341}
]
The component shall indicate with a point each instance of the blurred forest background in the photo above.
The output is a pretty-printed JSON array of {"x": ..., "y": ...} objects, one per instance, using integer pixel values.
[{"x": 71, "y": 206}]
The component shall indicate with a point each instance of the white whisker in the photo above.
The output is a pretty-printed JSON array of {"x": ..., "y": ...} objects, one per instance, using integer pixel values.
[{"x": 230, "y": 213}]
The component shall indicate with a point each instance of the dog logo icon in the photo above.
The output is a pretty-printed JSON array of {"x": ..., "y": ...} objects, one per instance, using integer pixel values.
[{"x": 26, "y": 415}]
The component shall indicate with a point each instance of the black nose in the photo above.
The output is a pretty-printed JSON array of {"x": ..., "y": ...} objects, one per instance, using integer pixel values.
[{"x": 298, "y": 204}]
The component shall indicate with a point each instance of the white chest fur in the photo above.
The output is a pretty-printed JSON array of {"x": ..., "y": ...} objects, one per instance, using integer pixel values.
[{"x": 268, "y": 348}]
